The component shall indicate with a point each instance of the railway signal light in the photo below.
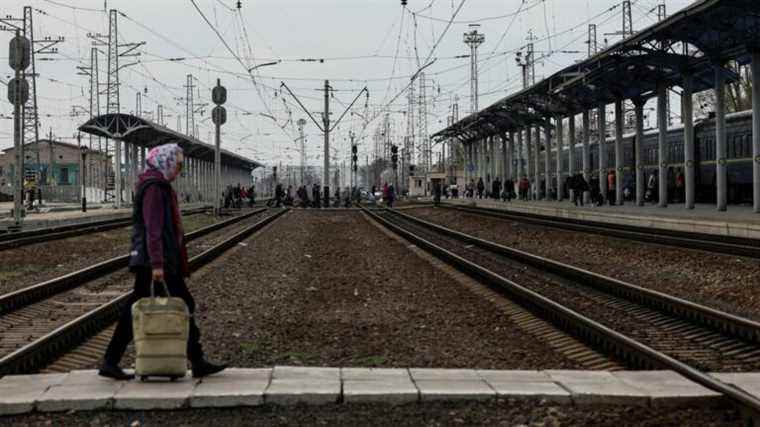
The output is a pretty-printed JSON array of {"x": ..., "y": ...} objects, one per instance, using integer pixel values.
[{"x": 394, "y": 156}]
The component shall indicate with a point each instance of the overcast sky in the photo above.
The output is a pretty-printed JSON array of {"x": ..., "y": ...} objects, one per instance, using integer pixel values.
[{"x": 373, "y": 43}]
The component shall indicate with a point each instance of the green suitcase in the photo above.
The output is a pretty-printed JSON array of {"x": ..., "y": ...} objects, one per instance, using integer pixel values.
[{"x": 161, "y": 327}]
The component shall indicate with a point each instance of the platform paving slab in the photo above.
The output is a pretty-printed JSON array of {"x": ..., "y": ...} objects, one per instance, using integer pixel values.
[
  {"x": 451, "y": 384},
  {"x": 18, "y": 393},
  {"x": 393, "y": 386},
  {"x": 149, "y": 395},
  {"x": 599, "y": 388},
  {"x": 513, "y": 376},
  {"x": 669, "y": 389},
  {"x": 309, "y": 385},
  {"x": 85, "y": 390},
  {"x": 232, "y": 388},
  {"x": 749, "y": 382},
  {"x": 443, "y": 374}
]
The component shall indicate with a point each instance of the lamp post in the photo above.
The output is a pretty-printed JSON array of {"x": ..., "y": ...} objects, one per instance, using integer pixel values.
[{"x": 83, "y": 169}]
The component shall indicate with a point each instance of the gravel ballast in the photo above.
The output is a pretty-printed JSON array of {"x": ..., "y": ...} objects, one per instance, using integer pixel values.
[
  {"x": 724, "y": 282},
  {"x": 490, "y": 413},
  {"x": 27, "y": 265},
  {"x": 331, "y": 289}
]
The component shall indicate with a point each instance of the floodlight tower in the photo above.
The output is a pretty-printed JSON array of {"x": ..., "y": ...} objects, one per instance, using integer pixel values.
[
  {"x": 474, "y": 39},
  {"x": 302, "y": 139}
]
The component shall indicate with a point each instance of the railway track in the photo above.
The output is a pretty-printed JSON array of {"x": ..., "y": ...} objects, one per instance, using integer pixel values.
[
  {"x": 39, "y": 323},
  {"x": 11, "y": 240},
  {"x": 707, "y": 242},
  {"x": 640, "y": 328}
]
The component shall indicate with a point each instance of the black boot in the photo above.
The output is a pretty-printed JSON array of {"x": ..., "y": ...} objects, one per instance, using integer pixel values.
[
  {"x": 114, "y": 371},
  {"x": 202, "y": 368}
]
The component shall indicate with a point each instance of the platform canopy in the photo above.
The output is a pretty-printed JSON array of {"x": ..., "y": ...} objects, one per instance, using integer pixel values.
[
  {"x": 145, "y": 133},
  {"x": 697, "y": 41}
]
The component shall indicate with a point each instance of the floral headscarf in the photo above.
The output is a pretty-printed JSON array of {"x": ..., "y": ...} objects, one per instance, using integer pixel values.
[{"x": 164, "y": 159}]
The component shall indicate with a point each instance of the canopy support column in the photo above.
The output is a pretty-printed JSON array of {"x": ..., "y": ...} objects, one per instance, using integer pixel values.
[
  {"x": 619, "y": 152},
  {"x": 720, "y": 139},
  {"x": 560, "y": 143},
  {"x": 688, "y": 135},
  {"x": 662, "y": 126},
  {"x": 639, "y": 150}
]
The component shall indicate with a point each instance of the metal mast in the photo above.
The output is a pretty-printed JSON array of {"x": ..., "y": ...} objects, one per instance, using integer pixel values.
[
  {"x": 474, "y": 39},
  {"x": 189, "y": 107},
  {"x": 530, "y": 59},
  {"x": 423, "y": 124},
  {"x": 410, "y": 127},
  {"x": 627, "y": 19},
  {"x": 302, "y": 139},
  {"x": 593, "y": 47},
  {"x": 113, "y": 105}
]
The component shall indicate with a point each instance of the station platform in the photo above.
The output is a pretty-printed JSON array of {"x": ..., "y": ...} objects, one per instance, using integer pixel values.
[
  {"x": 287, "y": 385},
  {"x": 737, "y": 221},
  {"x": 53, "y": 215}
]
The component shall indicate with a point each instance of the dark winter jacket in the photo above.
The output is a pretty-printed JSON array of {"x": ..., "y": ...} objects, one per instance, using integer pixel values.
[{"x": 157, "y": 236}]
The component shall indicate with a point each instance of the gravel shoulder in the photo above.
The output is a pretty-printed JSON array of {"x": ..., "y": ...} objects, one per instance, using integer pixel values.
[
  {"x": 27, "y": 265},
  {"x": 720, "y": 281},
  {"x": 330, "y": 289},
  {"x": 492, "y": 413}
]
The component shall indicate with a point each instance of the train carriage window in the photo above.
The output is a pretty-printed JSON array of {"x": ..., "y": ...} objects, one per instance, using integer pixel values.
[{"x": 747, "y": 146}]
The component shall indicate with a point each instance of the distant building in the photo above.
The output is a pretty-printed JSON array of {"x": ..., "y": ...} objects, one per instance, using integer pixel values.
[{"x": 58, "y": 165}]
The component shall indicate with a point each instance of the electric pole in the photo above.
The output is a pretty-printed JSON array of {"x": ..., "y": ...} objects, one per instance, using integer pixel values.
[
  {"x": 43, "y": 46},
  {"x": 326, "y": 165},
  {"x": 423, "y": 123},
  {"x": 189, "y": 108},
  {"x": 593, "y": 47},
  {"x": 325, "y": 127},
  {"x": 474, "y": 39},
  {"x": 301, "y": 138},
  {"x": 113, "y": 103}
]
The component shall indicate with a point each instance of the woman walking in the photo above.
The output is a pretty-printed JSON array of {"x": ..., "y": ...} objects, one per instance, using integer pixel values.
[{"x": 158, "y": 254}]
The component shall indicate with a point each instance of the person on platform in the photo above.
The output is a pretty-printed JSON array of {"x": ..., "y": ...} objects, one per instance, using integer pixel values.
[
  {"x": 391, "y": 197},
  {"x": 481, "y": 188},
  {"x": 436, "y": 192},
  {"x": 524, "y": 188},
  {"x": 611, "y": 196},
  {"x": 158, "y": 254},
  {"x": 316, "y": 195},
  {"x": 496, "y": 188},
  {"x": 680, "y": 195},
  {"x": 651, "y": 193},
  {"x": 580, "y": 187},
  {"x": 251, "y": 196}
]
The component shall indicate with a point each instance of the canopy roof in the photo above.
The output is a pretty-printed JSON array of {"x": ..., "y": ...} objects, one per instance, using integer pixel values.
[
  {"x": 697, "y": 40},
  {"x": 144, "y": 133}
]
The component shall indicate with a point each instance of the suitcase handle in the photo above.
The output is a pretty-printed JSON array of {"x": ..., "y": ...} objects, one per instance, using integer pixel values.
[{"x": 153, "y": 288}]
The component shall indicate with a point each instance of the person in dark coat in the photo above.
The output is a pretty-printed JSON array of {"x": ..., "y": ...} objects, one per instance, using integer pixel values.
[
  {"x": 315, "y": 195},
  {"x": 391, "y": 196},
  {"x": 481, "y": 187},
  {"x": 278, "y": 195},
  {"x": 158, "y": 254},
  {"x": 496, "y": 188}
]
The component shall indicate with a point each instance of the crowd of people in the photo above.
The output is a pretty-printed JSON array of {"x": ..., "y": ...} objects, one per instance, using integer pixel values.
[
  {"x": 235, "y": 197},
  {"x": 578, "y": 189}
]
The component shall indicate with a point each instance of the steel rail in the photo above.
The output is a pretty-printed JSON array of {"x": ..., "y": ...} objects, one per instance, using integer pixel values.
[
  {"x": 39, "y": 353},
  {"x": 731, "y": 245},
  {"x": 593, "y": 333},
  {"x": 30, "y": 237},
  {"x": 717, "y": 320},
  {"x": 23, "y": 297}
]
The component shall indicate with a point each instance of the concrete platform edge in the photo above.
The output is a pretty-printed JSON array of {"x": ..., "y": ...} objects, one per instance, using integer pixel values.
[{"x": 85, "y": 391}]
